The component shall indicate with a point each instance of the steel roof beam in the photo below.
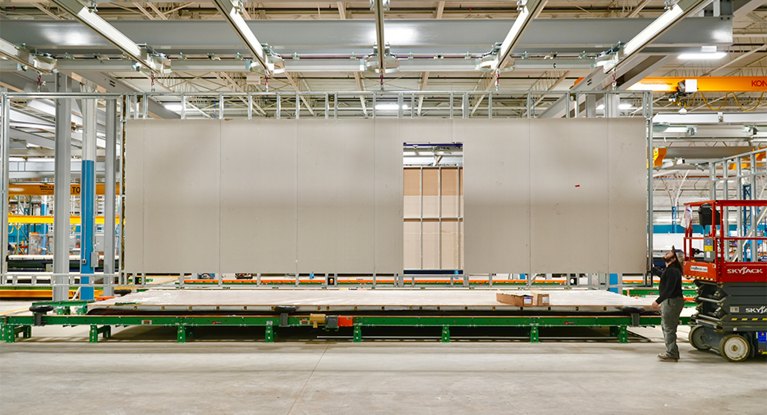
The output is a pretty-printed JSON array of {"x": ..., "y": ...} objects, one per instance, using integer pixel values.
[
  {"x": 347, "y": 37},
  {"x": 25, "y": 57},
  {"x": 313, "y": 65}
]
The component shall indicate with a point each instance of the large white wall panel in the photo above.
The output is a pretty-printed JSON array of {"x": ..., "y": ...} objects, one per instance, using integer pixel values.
[
  {"x": 567, "y": 196},
  {"x": 180, "y": 185},
  {"x": 569, "y": 182},
  {"x": 388, "y": 205},
  {"x": 336, "y": 196},
  {"x": 496, "y": 194},
  {"x": 627, "y": 163},
  {"x": 133, "y": 258},
  {"x": 258, "y": 196},
  {"x": 266, "y": 196}
]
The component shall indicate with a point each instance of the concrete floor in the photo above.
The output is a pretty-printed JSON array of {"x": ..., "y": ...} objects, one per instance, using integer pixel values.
[{"x": 58, "y": 372}]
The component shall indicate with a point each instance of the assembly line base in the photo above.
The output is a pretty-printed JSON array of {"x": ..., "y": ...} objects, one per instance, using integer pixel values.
[{"x": 101, "y": 326}]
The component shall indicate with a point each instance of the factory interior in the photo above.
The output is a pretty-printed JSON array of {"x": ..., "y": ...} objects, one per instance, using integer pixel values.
[{"x": 383, "y": 206}]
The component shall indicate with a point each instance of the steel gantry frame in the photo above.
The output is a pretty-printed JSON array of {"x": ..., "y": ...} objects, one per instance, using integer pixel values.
[{"x": 136, "y": 106}]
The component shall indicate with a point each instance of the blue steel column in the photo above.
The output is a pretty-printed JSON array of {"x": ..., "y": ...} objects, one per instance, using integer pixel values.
[
  {"x": 88, "y": 198},
  {"x": 62, "y": 192}
]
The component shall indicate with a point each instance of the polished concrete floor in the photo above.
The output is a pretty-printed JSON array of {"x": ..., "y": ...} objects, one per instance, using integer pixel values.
[{"x": 143, "y": 372}]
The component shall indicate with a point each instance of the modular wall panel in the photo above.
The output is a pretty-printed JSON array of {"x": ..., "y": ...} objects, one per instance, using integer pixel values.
[
  {"x": 569, "y": 183},
  {"x": 133, "y": 258},
  {"x": 388, "y": 205},
  {"x": 497, "y": 194},
  {"x": 258, "y": 196},
  {"x": 627, "y": 163},
  {"x": 181, "y": 177},
  {"x": 412, "y": 245},
  {"x": 449, "y": 256},
  {"x": 431, "y": 245},
  {"x": 336, "y": 196},
  {"x": 412, "y": 192},
  {"x": 450, "y": 199},
  {"x": 431, "y": 202}
]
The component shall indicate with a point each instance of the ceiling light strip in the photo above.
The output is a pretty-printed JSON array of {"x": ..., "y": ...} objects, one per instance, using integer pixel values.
[
  {"x": 671, "y": 16},
  {"x": 528, "y": 11},
  {"x": 231, "y": 10}
]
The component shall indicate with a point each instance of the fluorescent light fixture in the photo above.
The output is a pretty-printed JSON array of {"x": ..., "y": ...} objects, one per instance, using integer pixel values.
[
  {"x": 676, "y": 130},
  {"x": 659, "y": 25},
  {"x": 701, "y": 56},
  {"x": 653, "y": 29},
  {"x": 527, "y": 12},
  {"x": 105, "y": 29},
  {"x": 231, "y": 10},
  {"x": 390, "y": 106},
  {"x": 623, "y": 106},
  {"x": 110, "y": 32},
  {"x": 173, "y": 106}
]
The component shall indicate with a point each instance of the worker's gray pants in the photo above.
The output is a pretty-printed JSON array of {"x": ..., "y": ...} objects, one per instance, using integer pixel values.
[{"x": 670, "y": 309}]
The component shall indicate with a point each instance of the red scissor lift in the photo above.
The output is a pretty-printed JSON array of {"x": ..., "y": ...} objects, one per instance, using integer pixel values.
[{"x": 731, "y": 313}]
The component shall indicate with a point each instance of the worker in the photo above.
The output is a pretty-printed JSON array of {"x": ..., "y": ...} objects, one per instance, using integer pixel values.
[{"x": 670, "y": 302}]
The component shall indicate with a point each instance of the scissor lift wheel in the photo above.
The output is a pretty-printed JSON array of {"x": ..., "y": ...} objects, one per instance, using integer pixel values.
[
  {"x": 735, "y": 348},
  {"x": 697, "y": 340}
]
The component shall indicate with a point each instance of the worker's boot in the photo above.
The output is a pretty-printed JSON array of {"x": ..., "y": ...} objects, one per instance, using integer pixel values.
[{"x": 666, "y": 358}]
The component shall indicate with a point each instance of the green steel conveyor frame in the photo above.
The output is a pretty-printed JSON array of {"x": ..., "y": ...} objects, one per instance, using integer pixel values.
[{"x": 13, "y": 325}]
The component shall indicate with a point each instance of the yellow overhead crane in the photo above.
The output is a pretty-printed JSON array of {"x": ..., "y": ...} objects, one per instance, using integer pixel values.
[{"x": 703, "y": 84}]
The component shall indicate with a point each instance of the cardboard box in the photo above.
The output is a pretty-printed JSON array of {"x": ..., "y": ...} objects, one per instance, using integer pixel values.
[
  {"x": 517, "y": 300},
  {"x": 541, "y": 299},
  {"x": 524, "y": 300}
]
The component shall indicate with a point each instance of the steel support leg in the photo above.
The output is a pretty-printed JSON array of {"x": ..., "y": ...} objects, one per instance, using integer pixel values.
[
  {"x": 93, "y": 334},
  {"x": 181, "y": 334},
  {"x": 445, "y": 334},
  {"x": 623, "y": 334},
  {"x": 62, "y": 192},
  {"x": 269, "y": 334},
  {"x": 109, "y": 196},
  {"x": 357, "y": 333},
  {"x": 534, "y": 338},
  {"x": 9, "y": 333}
]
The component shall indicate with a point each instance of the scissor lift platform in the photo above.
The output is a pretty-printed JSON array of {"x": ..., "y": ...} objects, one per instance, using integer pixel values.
[{"x": 731, "y": 288}]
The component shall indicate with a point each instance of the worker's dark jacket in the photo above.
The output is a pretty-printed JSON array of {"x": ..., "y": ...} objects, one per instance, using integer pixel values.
[{"x": 670, "y": 282}]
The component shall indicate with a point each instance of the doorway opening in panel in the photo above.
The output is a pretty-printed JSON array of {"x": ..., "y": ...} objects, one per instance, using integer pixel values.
[{"x": 433, "y": 208}]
